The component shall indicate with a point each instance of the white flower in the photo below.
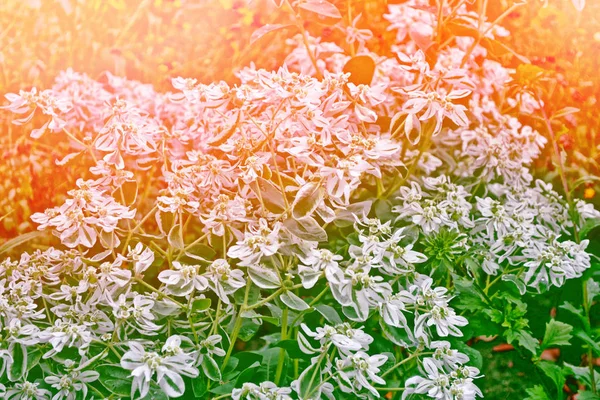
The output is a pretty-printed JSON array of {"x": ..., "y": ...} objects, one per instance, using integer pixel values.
[
  {"x": 184, "y": 278},
  {"x": 72, "y": 383},
  {"x": 315, "y": 263},
  {"x": 265, "y": 391},
  {"x": 555, "y": 262},
  {"x": 223, "y": 280},
  {"x": 141, "y": 258},
  {"x": 258, "y": 242},
  {"x": 343, "y": 336},
  {"x": 359, "y": 290},
  {"x": 444, "y": 319},
  {"x": 457, "y": 384},
  {"x": 444, "y": 356},
  {"x": 27, "y": 391},
  {"x": 357, "y": 371},
  {"x": 168, "y": 368}
]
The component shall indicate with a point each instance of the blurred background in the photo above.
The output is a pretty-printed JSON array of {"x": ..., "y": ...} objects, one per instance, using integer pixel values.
[{"x": 154, "y": 40}]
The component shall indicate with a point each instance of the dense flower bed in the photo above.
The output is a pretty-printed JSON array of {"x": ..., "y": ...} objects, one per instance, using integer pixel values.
[{"x": 349, "y": 225}]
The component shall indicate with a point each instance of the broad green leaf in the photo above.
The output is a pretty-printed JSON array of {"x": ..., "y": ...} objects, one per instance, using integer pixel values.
[
  {"x": 306, "y": 229},
  {"x": 593, "y": 290},
  {"x": 19, "y": 365},
  {"x": 175, "y": 237},
  {"x": 223, "y": 389},
  {"x": 266, "y": 30},
  {"x": 309, "y": 379},
  {"x": 201, "y": 252},
  {"x": 270, "y": 195},
  {"x": 292, "y": 301},
  {"x": 361, "y": 69},
  {"x": 319, "y": 11},
  {"x": 247, "y": 374},
  {"x": 565, "y": 111},
  {"x": 211, "y": 368},
  {"x": 330, "y": 314},
  {"x": 199, "y": 386},
  {"x": 537, "y": 393},
  {"x": 527, "y": 341},
  {"x": 583, "y": 374},
  {"x": 19, "y": 240},
  {"x": 264, "y": 278},
  {"x": 554, "y": 372},
  {"x": 115, "y": 379},
  {"x": 308, "y": 198},
  {"x": 199, "y": 305},
  {"x": 587, "y": 395},
  {"x": 248, "y": 330},
  {"x": 557, "y": 334},
  {"x": 292, "y": 348},
  {"x": 595, "y": 345}
]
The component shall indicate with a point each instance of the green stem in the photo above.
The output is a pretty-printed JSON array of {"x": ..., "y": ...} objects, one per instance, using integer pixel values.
[
  {"x": 238, "y": 324},
  {"x": 284, "y": 318},
  {"x": 161, "y": 294},
  {"x": 590, "y": 355}
]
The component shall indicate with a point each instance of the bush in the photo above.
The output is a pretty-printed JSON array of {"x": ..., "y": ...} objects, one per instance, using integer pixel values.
[{"x": 371, "y": 218}]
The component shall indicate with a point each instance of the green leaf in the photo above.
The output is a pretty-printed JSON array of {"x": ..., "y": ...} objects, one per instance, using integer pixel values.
[
  {"x": 518, "y": 282},
  {"x": 266, "y": 30},
  {"x": 306, "y": 229},
  {"x": 292, "y": 348},
  {"x": 555, "y": 373},
  {"x": 155, "y": 393},
  {"x": 248, "y": 330},
  {"x": 527, "y": 341},
  {"x": 19, "y": 240},
  {"x": 248, "y": 374},
  {"x": 33, "y": 358},
  {"x": 268, "y": 367},
  {"x": 565, "y": 111},
  {"x": 469, "y": 297},
  {"x": 309, "y": 379},
  {"x": 199, "y": 386},
  {"x": 292, "y": 301},
  {"x": 588, "y": 226},
  {"x": 307, "y": 200},
  {"x": 398, "y": 336},
  {"x": 211, "y": 368},
  {"x": 201, "y": 252},
  {"x": 593, "y": 290},
  {"x": 270, "y": 194},
  {"x": 19, "y": 365},
  {"x": 582, "y": 374},
  {"x": 536, "y": 393},
  {"x": 557, "y": 334},
  {"x": 130, "y": 192},
  {"x": 201, "y": 305},
  {"x": 264, "y": 278},
  {"x": 319, "y": 11},
  {"x": 586, "y": 395},
  {"x": 475, "y": 358},
  {"x": 329, "y": 313},
  {"x": 115, "y": 379},
  {"x": 578, "y": 312},
  {"x": 588, "y": 340},
  {"x": 361, "y": 69},
  {"x": 175, "y": 238},
  {"x": 223, "y": 389}
]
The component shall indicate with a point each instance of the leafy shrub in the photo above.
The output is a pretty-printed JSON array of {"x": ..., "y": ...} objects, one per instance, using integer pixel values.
[{"x": 365, "y": 220}]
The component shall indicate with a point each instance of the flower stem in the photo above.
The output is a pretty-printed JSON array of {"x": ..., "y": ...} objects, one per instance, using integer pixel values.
[{"x": 284, "y": 318}]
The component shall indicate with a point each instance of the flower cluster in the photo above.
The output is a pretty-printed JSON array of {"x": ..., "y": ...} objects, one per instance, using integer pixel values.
[{"x": 306, "y": 233}]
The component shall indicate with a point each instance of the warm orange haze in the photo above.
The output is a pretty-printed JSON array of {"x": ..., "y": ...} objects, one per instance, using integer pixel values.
[{"x": 300, "y": 199}]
